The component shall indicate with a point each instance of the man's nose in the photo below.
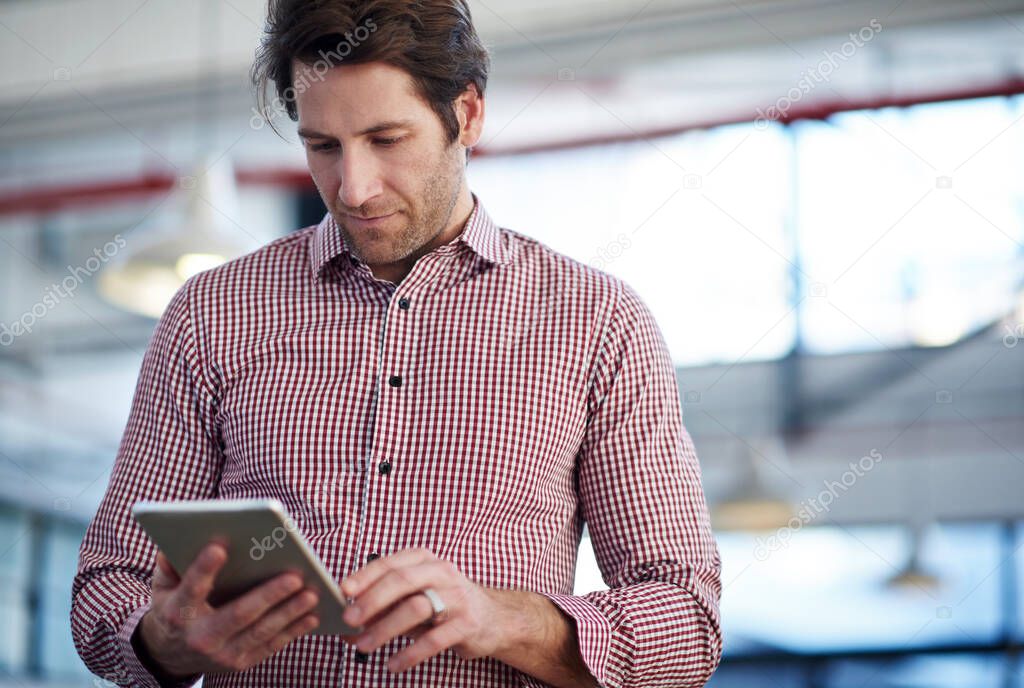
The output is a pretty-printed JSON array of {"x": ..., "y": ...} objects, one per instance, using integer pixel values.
[{"x": 360, "y": 178}]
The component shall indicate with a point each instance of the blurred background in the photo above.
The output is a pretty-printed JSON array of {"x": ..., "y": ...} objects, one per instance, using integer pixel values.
[{"x": 822, "y": 202}]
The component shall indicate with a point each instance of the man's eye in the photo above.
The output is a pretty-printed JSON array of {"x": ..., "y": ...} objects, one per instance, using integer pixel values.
[
  {"x": 320, "y": 147},
  {"x": 387, "y": 142}
]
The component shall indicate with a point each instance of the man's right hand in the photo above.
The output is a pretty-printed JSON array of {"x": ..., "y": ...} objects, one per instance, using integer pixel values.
[{"x": 184, "y": 635}]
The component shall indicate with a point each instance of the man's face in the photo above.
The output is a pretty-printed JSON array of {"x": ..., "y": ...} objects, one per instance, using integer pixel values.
[{"x": 380, "y": 160}]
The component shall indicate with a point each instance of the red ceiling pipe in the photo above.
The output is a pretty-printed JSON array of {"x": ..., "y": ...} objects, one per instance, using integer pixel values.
[
  {"x": 820, "y": 110},
  {"x": 47, "y": 199}
]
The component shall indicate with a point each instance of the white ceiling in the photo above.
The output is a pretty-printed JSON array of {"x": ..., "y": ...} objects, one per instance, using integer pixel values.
[{"x": 75, "y": 65}]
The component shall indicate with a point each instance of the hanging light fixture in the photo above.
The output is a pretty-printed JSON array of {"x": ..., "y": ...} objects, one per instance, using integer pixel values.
[
  {"x": 160, "y": 256},
  {"x": 198, "y": 233},
  {"x": 752, "y": 504},
  {"x": 914, "y": 575}
]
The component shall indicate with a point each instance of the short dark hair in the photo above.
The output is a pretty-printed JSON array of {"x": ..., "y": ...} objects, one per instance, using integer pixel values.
[{"x": 434, "y": 41}]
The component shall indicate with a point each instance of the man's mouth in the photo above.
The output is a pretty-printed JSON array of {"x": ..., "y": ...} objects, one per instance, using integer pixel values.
[{"x": 360, "y": 221}]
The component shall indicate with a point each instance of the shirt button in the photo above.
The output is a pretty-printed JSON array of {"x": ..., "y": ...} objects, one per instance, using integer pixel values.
[
  {"x": 362, "y": 657},
  {"x": 372, "y": 556},
  {"x": 384, "y": 467},
  {"x": 403, "y": 303},
  {"x": 395, "y": 380}
]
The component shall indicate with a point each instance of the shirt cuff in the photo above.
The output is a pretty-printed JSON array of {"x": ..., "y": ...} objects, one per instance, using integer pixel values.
[
  {"x": 593, "y": 633},
  {"x": 138, "y": 674}
]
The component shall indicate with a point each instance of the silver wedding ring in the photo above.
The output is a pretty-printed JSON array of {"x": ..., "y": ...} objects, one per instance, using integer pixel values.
[{"x": 440, "y": 610}]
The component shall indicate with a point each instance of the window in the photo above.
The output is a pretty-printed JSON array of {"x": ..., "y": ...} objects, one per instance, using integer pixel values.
[
  {"x": 15, "y": 552},
  {"x": 886, "y": 228}
]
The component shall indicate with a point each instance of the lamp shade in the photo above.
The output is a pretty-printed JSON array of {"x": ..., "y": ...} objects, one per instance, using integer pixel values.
[
  {"x": 196, "y": 234},
  {"x": 753, "y": 503}
]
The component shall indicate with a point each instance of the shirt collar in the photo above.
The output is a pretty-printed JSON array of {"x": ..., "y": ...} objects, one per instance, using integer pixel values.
[{"x": 480, "y": 234}]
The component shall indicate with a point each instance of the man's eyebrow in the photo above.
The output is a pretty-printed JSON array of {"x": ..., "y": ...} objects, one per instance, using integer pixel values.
[
  {"x": 375, "y": 129},
  {"x": 310, "y": 134},
  {"x": 386, "y": 126}
]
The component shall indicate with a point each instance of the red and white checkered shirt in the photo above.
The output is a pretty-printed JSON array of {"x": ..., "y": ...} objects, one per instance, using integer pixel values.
[{"x": 486, "y": 407}]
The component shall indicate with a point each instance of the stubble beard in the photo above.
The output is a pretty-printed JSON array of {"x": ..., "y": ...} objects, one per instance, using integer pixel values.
[{"x": 421, "y": 227}]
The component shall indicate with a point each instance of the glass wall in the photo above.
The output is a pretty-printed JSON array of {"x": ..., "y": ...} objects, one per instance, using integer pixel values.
[{"x": 870, "y": 230}]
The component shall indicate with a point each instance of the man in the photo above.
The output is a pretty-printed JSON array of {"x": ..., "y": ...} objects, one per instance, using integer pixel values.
[{"x": 440, "y": 403}]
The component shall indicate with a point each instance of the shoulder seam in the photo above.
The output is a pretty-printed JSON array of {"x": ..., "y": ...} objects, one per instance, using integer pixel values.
[
  {"x": 192, "y": 335},
  {"x": 606, "y": 330}
]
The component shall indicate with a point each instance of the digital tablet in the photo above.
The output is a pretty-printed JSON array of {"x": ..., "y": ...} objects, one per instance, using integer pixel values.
[{"x": 261, "y": 540}]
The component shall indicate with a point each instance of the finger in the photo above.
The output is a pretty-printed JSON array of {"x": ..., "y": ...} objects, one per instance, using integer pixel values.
[
  {"x": 230, "y": 619},
  {"x": 361, "y": 628},
  {"x": 164, "y": 575},
  {"x": 301, "y": 627},
  {"x": 396, "y": 584},
  {"x": 417, "y": 631},
  {"x": 198, "y": 579},
  {"x": 366, "y": 576},
  {"x": 431, "y": 643},
  {"x": 413, "y": 612},
  {"x": 266, "y": 629}
]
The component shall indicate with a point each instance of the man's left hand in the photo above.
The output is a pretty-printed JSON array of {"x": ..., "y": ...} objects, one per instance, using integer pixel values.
[{"x": 388, "y": 602}]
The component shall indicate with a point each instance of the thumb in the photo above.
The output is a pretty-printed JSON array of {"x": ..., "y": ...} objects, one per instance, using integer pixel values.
[{"x": 164, "y": 576}]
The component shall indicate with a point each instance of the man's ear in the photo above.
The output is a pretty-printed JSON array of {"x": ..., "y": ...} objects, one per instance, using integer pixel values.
[{"x": 469, "y": 109}]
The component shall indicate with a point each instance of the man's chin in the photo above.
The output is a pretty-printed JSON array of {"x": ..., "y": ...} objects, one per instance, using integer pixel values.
[
  {"x": 377, "y": 253},
  {"x": 369, "y": 246}
]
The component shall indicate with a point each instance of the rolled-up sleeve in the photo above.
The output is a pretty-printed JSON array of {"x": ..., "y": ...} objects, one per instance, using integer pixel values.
[
  {"x": 169, "y": 451},
  {"x": 642, "y": 499}
]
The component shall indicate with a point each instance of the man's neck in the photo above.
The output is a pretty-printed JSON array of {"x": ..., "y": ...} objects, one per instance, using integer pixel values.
[{"x": 396, "y": 272}]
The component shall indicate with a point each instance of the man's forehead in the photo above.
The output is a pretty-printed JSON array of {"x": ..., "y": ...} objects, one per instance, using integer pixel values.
[
  {"x": 376, "y": 75},
  {"x": 357, "y": 97}
]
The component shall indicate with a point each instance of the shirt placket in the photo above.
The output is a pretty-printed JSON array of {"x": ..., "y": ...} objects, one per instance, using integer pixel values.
[{"x": 397, "y": 348}]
